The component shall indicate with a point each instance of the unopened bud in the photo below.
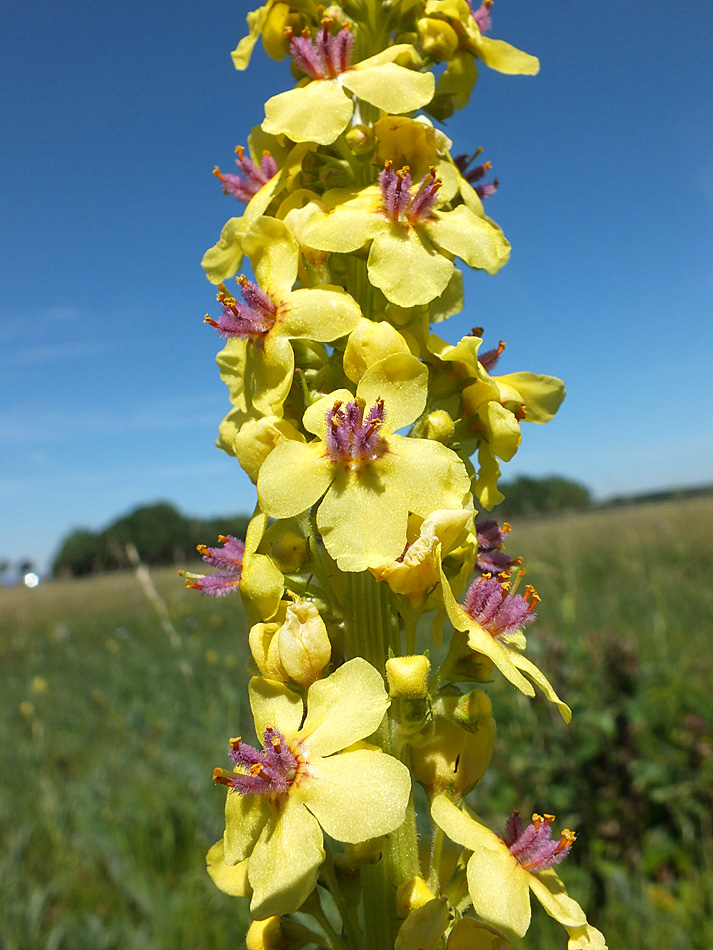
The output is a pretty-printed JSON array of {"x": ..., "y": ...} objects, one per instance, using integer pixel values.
[
  {"x": 453, "y": 758},
  {"x": 360, "y": 139},
  {"x": 412, "y": 895},
  {"x": 289, "y": 552},
  {"x": 438, "y": 39},
  {"x": 364, "y": 852},
  {"x": 439, "y": 427},
  {"x": 304, "y": 644},
  {"x": 266, "y": 935},
  {"x": 408, "y": 676},
  {"x": 264, "y": 647}
]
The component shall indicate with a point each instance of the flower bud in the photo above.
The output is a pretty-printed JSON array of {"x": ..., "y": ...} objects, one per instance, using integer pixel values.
[
  {"x": 438, "y": 39},
  {"x": 360, "y": 139},
  {"x": 289, "y": 552},
  {"x": 266, "y": 935},
  {"x": 370, "y": 851},
  {"x": 408, "y": 676},
  {"x": 264, "y": 647},
  {"x": 412, "y": 895},
  {"x": 304, "y": 643},
  {"x": 439, "y": 427},
  {"x": 452, "y": 757}
]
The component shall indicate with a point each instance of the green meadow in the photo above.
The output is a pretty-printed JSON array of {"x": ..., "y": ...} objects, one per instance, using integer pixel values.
[{"x": 118, "y": 705}]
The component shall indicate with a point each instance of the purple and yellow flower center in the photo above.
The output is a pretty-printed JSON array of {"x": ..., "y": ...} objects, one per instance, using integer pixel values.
[
  {"x": 267, "y": 771},
  {"x": 533, "y": 846},
  {"x": 399, "y": 203},
  {"x": 325, "y": 57},
  {"x": 249, "y": 320},
  {"x": 490, "y": 603},
  {"x": 251, "y": 178},
  {"x": 352, "y": 436},
  {"x": 229, "y": 561}
]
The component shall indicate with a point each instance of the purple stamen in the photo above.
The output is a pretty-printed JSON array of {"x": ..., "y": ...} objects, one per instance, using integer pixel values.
[
  {"x": 491, "y": 538},
  {"x": 327, "y": 56},
  {"x": 251, "y": 319},
  {"x": 245, "y": 186},
  {"x": 399, "y": 204},
  {"x": 497, "y": 611},
  {"x": 350, "y": 436},
  {"x": 486, "y": 189},
  {"x": 229, "y": 558},
  {"x": 533, "y": 846},
  {"x": 482, "y": 16},
  {"x": 269, "y": 771}
]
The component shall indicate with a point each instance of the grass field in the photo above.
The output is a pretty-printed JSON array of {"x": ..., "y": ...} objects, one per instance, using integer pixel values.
[{"x": 112, "y": 726}]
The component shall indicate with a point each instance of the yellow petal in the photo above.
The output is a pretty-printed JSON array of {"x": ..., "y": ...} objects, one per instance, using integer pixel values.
[
  {"x": 470, "y": 934},
  {"x": 269, "y": 366},
  {"x": 550, "y": 892},
  {"x": 314, "y": 418},
  {"x": 245, "y": 816},
  {"x": 274, "y": 704},
  {"x": 522, "y": 663},
  {"x": 322, "y": 313},
  {"x": 343, "y": 708},
  {"x": 317, "y": 112},
  {"x": 369, "y": 342},
  {"x": 401, "y": 380},
  {"x": 283, "y": 866},
  {"x": 231, "y": 879},
  {"x": 390, "y": 87},
  {"x": 428, "y": 475},
  {"x": 424, "y": 927},
  {"x": 498, "y": 887},
  {"x": 542, "y": 395},
  {"x": 470, "y": 237},
  {"x": 362, "y": 517},
  {"x": 273, "y": 252},
  {"x": 408, "y": 270},
  {"x": 281, "y": 494},
  {"x": 506, "y": 58},
  {"x": 359, "y": 795},
  {"x": 256, "y": 21},
  {"x": 223, "y": 259}
]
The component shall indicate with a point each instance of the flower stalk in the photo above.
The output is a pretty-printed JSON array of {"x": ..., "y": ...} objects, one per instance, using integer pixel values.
[{"x": 373, "y": 443}]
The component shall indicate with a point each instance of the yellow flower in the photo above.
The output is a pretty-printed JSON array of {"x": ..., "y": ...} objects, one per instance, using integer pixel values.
[
  {"x": 261, "y": 582},
  {"x": 284, "y": 796},
  {"x": 425, "y": 925},
  {"x": 270, "y": 21},
  {"x": 501, "y": 876},
  {"x": 319, "y": 109},
  {"x": 370, "y": 477},
  {"x": 223, "y": 259},
  {"x": 492, "y": 407},
  {"x": 418, "y": 569},
  {"x": 503, "y": 650},
  {"x": 412, "y": 241},
  {"x": 258, "y": 361}
]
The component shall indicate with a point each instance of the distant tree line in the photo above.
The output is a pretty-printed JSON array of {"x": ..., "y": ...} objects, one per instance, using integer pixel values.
[
  {"x": 535, "y": 496},
  {"x": 160, "y": 533}
]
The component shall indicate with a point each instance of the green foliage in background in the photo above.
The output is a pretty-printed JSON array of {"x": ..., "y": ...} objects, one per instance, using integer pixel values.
[
  {"x": 112, "y": 729},
  {"x": 160, "y": 533}
]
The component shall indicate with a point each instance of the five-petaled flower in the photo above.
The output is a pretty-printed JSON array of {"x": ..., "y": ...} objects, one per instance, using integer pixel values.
[
  {"x": 321, "y": 108},
  {"x": 281, "y": 797},
  {"x": 501, "y": 873},
  {"x": 370, "y": 476},
  {"x": 257, "y": 362},
  {"x": 412, "y": 241}
]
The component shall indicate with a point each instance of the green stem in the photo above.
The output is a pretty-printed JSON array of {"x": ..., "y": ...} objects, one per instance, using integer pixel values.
[
  {"x": 350, "y": 924},
  {"x": 436, "y": 853}
]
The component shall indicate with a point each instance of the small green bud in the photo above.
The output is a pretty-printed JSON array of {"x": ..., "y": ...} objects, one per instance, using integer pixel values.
[{"x": 439, "y": 427}]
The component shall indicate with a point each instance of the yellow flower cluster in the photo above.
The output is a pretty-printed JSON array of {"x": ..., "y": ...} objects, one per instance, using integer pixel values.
[{"x": 371, "y": 442}]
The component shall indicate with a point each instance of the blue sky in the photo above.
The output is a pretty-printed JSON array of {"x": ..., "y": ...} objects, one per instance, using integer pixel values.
[{"x": 115, "y": 114}]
